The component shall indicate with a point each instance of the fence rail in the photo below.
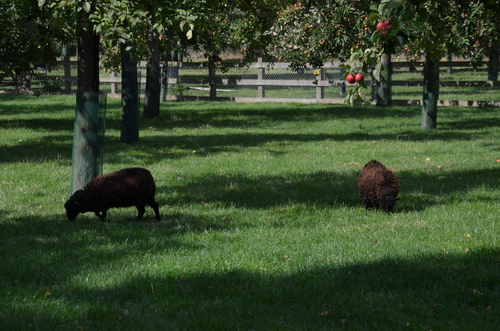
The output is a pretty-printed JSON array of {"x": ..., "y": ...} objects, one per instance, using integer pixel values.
[{"x": 275, "y": 82}]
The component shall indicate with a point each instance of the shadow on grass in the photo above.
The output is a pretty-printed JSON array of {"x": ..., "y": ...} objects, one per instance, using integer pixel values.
[
  {"x": 420, "y": 189},
  {"x": 220, "y": 116},
  {"x": 323, "y": 189},
  {"x": 421, "y": 292},
  {"x": 153, "y": 148},
  {"x": 319, "y": 189},
  {"x": 261, "y": 114}
]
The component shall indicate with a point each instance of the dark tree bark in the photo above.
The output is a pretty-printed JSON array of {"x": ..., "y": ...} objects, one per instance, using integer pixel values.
[
  {"x": 212, "y": 76},
  {"x": 431, "y": 92},
  {"x": 449, "y": 59},
  {"x": 88, "y": 60},
  {"x": 384, "y": 86},
  {"x": 493, "y": 64},
  {"x": 153, "y": 73},
  {"x": 86, "y": 126},
  {"x": 130, "y": 96}
]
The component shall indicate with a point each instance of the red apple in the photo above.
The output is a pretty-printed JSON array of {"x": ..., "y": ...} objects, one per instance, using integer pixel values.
[
  {"x": 350, "y": 78},
  {"x": 384, "y": 26},
  {"x": 359, "y": 77}
]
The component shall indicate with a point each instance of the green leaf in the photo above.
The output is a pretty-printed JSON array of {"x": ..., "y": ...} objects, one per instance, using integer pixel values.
[
  {"x": 377, "y": 71},
  {"x": 396, "y": 3},
  {"x": 382, "y": 7}
]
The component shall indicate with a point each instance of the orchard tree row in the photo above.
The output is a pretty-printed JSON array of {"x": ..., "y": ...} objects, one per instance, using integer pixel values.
[
  {"x": 368, "y": 34},
  {"x": 307, "y": 34}
]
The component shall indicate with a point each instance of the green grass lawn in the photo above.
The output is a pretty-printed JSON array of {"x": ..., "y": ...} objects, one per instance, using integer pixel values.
[{"x": 262, "y": 226}]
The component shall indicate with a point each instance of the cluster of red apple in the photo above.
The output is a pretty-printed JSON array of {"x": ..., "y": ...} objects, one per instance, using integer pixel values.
[
  {"x": 384, "y": 26},
  {"x": 351, "y": 79}
]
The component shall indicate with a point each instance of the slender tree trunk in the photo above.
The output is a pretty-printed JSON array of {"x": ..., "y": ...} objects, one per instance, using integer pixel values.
[
  {"x": 384, "y": 86},
  {"x": 212, "y": 77},
  {"x": 130, "y": 97},
  {"x": 449, "y": 59},
  {"x": 493, "y": 65},
  {"x": 153, "y": 73},
  {"x": 86, "y": 126},
  {"x": 431, "y": 92}
]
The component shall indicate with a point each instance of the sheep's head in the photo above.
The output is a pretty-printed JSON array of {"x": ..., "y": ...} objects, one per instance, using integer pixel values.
[
  {"x": 73, "y": 206},
  {"x": 387, "y": 202}
]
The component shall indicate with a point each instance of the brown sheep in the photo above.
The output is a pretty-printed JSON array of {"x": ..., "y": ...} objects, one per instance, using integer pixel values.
[
  {"x": 123, "y": 188},
  {"x": 378, "y": 186}
]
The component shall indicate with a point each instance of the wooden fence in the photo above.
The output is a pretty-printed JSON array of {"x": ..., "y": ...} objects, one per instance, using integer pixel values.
[{"x": 262, "y": 82}]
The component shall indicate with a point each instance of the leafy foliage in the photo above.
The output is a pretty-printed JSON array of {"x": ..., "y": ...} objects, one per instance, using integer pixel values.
[{"x": 29, "y": 35}]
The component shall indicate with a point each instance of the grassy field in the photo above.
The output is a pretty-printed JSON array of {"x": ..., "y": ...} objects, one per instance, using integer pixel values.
[{"x": 262, "y": 226}]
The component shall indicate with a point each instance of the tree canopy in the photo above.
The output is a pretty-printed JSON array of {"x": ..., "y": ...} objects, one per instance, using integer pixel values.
[{"x": 29, "y": 35}]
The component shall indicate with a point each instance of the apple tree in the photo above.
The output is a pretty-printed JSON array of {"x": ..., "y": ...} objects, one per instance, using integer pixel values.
[
  {"x": 429, "y": 29},
  {"x": 310, "y": 33},
  {"x": 223, "y": 25},
  {"x": 86, "y": 148},
  {"x": 29, "y": 35}
]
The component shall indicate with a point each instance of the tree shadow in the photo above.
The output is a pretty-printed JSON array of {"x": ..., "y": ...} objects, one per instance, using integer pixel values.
[
  {"x": 326, "y": 189},
  {"x": 49, "y": 240},
  {"x": 422, "y": 189},
  {"x": 224, "y": 115},
  {"x": 428, "y": 291},
  {"x": 57, "y": 142},
  {"x": 321, "y": 189}
]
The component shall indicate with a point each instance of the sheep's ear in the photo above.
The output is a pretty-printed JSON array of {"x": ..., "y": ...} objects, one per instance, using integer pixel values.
[{"x": 77, "y": 203}]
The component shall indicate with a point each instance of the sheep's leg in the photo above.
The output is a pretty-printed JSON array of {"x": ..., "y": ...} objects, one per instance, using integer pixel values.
[
  {"x": 141, "y": 210},
  {"x": 102, "y": 216},
  {"x": 104, "y": 212},
  {"x": 154, "y": 205}
]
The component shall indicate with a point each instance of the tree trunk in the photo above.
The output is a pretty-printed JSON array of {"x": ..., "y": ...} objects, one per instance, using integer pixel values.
[
  {"x": 153, "y": 73},
  {"x": 212, "y": 77},
  {"x": 384, "y": 86},
  {"x": 493, "y": 63},
  {"x": 85, "y": 141},
  {"x": 431, "y": 92},
  {"x": 130, "y": 97},
  {"x": 88, "y": 60},
  {"x": 449, "y": 59}
]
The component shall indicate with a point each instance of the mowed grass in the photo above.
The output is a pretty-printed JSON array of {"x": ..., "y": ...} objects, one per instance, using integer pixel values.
[{"x": 262, "y": 226}]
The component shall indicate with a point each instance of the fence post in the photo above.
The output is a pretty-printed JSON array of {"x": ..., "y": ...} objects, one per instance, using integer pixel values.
[
  {"x": 342, "y": 87},
  {"x": 164, "y": 82},
  {"x": 114, "y": 86},
  {"x": 320, "y": 90},
  {"x": 173, "y": 74},
  {"x": 261, "y": 74},
  {"x": 67, "y": 75}
]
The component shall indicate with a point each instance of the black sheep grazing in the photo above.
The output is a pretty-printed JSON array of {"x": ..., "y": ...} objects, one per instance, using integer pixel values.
[
  {"x": 123, "y": 188},
  {"x": 378, "y": 186}
]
